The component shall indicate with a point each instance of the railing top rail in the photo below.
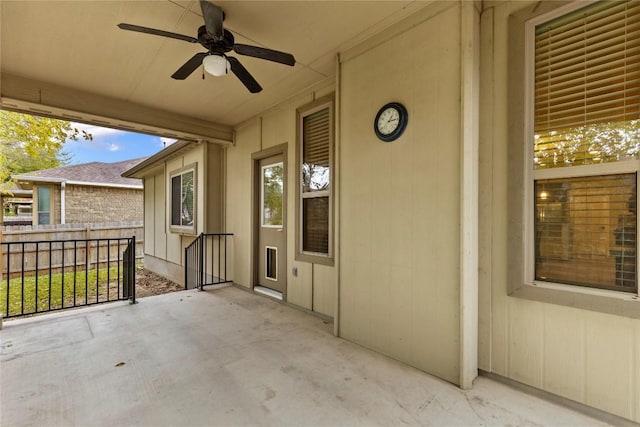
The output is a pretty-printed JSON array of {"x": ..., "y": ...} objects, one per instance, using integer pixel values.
[
  {"x": 217, "y": 234},
  {"x": 101, "y": 239},
  {"x": 195, "y": 241}
]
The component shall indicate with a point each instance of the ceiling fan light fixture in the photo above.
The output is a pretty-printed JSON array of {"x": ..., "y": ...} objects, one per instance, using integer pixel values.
[{"x": 216, "y": 65}]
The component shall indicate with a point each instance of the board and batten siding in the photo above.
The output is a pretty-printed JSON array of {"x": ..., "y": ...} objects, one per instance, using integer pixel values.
[
  {"x": 400, "y": 201},
  {"x": 586, "y": 356},
  {"x": 164, "y": 249},
  {"x": 314, "y": 286}
]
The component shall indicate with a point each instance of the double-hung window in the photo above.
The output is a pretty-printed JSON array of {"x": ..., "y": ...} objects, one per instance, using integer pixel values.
[
  {"x": 584, "y": 146},
  {"x": 183, "y": 202},
  {"x": 315, "y": 143}
]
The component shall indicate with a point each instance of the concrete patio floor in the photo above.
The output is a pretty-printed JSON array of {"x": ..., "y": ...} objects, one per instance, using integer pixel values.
[{"x": 227, "y": 357}]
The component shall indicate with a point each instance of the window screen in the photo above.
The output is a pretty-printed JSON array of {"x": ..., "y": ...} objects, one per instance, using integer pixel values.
[
  {"x": 587, "y": 86},
  {"x": 316, "y": 181},
  {"x": 587, "y": 112}
]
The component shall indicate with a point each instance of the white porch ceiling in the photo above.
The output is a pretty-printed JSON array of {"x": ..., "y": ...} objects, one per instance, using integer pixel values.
[{"x": 76, "y": 45}]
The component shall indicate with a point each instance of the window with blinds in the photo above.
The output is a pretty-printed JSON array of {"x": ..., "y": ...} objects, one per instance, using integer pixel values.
[
  {"x": 586, "y": 231},
  {"x": 182, "y": 199},
  {"x": 587, "y": 86},
  {"x": 315, "y": 185},
  {"x": 587, "y": 112}
]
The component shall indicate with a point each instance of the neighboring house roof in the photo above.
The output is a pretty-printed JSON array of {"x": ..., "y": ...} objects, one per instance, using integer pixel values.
[
  {"x": 16, "y": 192},
  {"x": 94, "y": 173}
]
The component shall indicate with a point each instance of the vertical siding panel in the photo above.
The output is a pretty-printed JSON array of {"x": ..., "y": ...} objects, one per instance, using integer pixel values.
[
  {"x": 563, "y": 352},
  {"x": 499, "y": 300},
  {"x": 485, "y": 197},
  {"x": 160, "y": 213},
  {"x": 149, "y": 216},
  {"x": 324, "y": 290},
  {"x": 400, "y": 201},
  {"x": 636, "y": 385},
  {"x": 609, "y": 363},
  {"x": 526, "y": 324},
  {"x": 239, "y": 200}
]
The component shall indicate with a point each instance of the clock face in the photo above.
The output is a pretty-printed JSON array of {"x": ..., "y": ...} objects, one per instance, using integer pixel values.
[{"x": 390, "y": 122}]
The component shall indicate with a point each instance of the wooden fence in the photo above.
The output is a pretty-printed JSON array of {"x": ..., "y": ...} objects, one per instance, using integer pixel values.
[{"x": 33, "y": 254}]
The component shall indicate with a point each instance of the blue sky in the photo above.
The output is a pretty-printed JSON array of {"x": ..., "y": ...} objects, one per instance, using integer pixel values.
[{"x": 112, "y": 145}]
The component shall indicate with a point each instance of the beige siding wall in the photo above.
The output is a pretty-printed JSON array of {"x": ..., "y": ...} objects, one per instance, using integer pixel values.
[
  {"x": 400, "y": 202},
  {"x": 150, "y": 220},
  {"x": 314, "y": 286},
  {"x": 100, "y": 204},
  {"x": 177, "y": 242},
  {"x": 214, "y": 173},
  {"x": 161, "y": 244},
  {"x": 238, "y": 200},
  {"x": 586, "y": 356},
  {"x": 160, "y": 213}
]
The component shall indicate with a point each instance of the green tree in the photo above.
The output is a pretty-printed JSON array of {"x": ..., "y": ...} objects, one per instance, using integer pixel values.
[
  {"x": 29, "y": 143},
  {"x": 273, "y": 192}
]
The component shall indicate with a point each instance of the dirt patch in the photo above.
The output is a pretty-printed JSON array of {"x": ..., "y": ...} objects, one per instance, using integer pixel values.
[{"x": 148, "y": 283}]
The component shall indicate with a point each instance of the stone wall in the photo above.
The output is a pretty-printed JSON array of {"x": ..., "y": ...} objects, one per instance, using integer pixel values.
[{"x": 103, "y": 204}]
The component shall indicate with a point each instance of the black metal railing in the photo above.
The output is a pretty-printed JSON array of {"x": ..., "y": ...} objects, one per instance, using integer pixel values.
[
  {"x": 50, "y": 275},
  {"x": 206, "y": 260}
]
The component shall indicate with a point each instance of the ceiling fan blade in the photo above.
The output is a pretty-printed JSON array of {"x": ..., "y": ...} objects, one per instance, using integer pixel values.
[
  {"x": 189, "y": 66},
  {"x": 245, "y": 77},
  {"x": 139, "y": 29},
  {"x": 264, "y": 53},
  {"x": 213, "y": 17}
]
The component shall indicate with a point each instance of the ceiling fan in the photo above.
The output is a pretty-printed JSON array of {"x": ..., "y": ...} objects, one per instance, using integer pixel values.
[{"x": 218, "y": 41}]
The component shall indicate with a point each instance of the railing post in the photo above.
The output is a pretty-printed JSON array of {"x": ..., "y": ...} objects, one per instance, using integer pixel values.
[
  {"x": 186, "y": 268},
  {"x": 132, "y": 274},
  {"x": 201, "y": 261}
]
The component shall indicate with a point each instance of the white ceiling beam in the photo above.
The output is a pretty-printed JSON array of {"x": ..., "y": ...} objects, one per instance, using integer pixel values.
[{"x": 42, "y": 98}]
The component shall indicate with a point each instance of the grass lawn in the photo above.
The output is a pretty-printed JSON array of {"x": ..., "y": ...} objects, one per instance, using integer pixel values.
[{"x": 44, "y": 292}]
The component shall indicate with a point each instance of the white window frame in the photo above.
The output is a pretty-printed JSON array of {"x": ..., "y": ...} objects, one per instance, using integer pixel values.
[
  {"x": 302, "y": 255},
  {"x": 183, "y": 229},
  {"x": 532, "y": 175}
]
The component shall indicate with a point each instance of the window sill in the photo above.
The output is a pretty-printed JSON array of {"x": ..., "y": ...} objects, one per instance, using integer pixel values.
[
  {"x": 315, "y": 259},
  {"x": 599, "y": 300},
  {"x": 183, "y": 231}
]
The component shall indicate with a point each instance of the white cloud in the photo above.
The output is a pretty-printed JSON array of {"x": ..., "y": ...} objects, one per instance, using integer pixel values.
[
  {"x": 96, "y": 131},
  {"x": 114, "y": 147}
]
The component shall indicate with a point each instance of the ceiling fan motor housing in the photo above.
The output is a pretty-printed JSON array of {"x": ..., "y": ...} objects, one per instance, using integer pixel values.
[{"x": 212, "y": 45}]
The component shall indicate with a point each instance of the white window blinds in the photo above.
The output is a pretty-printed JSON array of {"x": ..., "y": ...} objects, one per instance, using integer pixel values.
[{"x": 587, "y": 86}]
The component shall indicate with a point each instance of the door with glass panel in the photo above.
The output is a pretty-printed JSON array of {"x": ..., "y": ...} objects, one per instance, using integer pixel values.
[{"x": 272, "y": 239}]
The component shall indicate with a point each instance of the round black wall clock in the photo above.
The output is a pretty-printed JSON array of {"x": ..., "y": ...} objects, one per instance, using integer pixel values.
[{"x": 390, "y": 122}]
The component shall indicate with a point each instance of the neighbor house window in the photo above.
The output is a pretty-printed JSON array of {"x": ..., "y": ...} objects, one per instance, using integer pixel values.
[
  {"x": 315, "y": 184},
  {"x": 44, "y": 205},
  {"x": 183, "y": 204},
  {"x": 586, "y": 126}
]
